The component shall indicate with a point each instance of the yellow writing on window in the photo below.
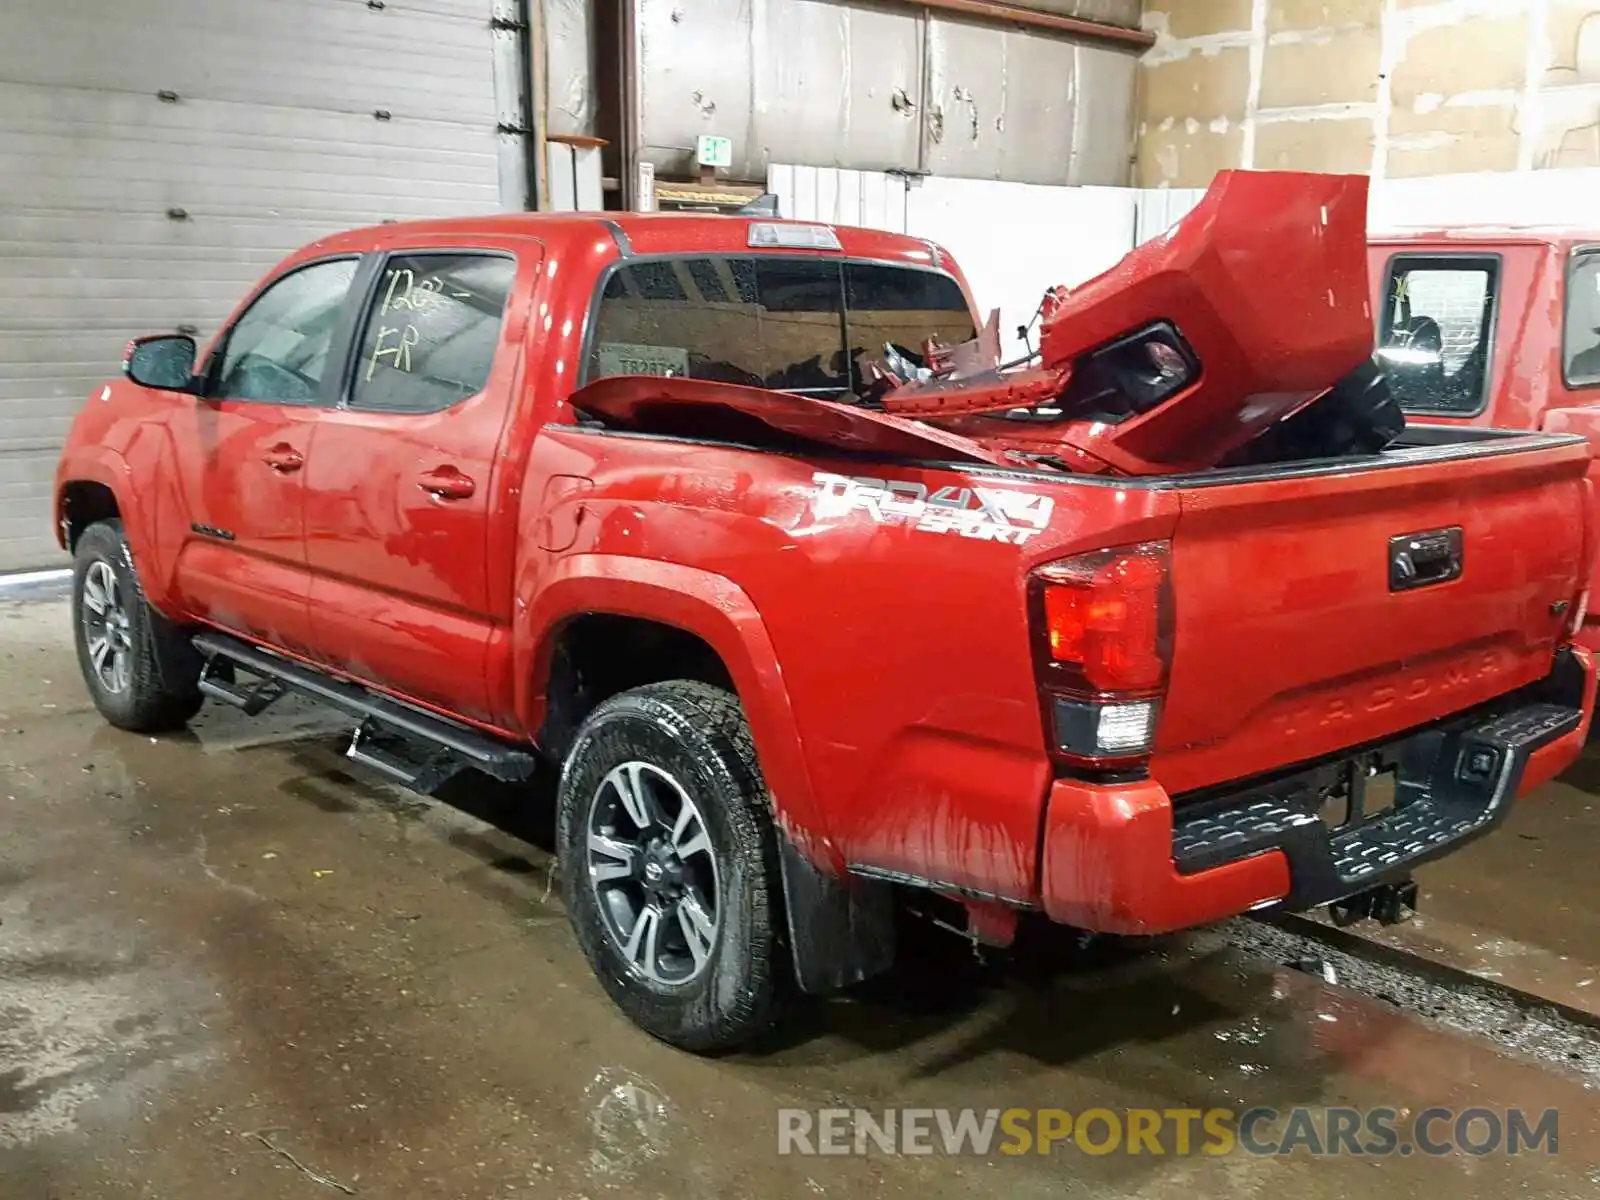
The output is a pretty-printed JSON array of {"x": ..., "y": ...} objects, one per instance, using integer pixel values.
[{"x": 399, "y": 353}]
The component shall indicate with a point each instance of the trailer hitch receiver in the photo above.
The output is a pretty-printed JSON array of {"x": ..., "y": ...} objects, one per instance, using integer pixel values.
[{"x": 1388, "y": 904}]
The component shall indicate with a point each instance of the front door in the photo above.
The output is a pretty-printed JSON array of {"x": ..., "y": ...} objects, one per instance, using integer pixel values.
[
  {"x": 241, "y": 451},
  {"x": 400, "y": 494}
]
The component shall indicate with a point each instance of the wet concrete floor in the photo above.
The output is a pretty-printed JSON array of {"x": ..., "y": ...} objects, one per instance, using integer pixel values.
[
  {"x": 230, "y": 967},
  {"x": 1522, "y": 906}
]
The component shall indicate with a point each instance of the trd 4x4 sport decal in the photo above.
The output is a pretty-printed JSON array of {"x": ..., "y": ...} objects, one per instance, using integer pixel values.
[{"x": 987, "y": 514}]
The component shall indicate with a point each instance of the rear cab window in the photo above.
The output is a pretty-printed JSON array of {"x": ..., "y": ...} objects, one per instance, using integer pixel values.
[
  {"x": 798, "y": 324},
  {"x": 1580, "y": 338},
  {"x": 1436, "y": 331}
]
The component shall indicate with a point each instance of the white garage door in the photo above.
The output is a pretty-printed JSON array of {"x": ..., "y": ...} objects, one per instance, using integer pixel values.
[{"x": 156, "y": 156}]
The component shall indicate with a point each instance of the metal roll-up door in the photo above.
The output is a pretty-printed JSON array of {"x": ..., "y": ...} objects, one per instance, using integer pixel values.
[{"x": 156, "y": 156}]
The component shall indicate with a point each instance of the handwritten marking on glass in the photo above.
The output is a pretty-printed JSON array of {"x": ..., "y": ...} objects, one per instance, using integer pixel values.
[
  {"x": 405, "y": 292},
  {"x": 400, "y": 352}
]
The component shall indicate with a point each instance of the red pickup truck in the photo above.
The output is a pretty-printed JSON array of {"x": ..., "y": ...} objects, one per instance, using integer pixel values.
[
  {"x": 1093, "y": 638},
  {"x": 1493, "y": 327}
]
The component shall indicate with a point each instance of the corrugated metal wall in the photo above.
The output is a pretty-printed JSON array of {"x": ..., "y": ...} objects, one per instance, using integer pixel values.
[
  {"x": 124, "y": 212},
  {"x": 831, "y": 83}
]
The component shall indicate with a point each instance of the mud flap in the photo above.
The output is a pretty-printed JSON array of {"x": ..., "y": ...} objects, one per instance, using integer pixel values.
[{"x": 841, "y": 930}]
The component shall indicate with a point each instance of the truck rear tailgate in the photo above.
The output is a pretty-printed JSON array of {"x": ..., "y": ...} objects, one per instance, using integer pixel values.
[{"x": 1321, "y": 608}]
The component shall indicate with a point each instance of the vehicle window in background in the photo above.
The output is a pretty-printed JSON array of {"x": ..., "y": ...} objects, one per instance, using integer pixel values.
[
  {"x": 902, "y": 307},
  {"x": 767, "y": 321},
  {"x": 278, "y": 350},
  {"x": 1581, "y": 337},
  {"x": 1435, "y": 331},
  {"x": 430, "y": 337}
]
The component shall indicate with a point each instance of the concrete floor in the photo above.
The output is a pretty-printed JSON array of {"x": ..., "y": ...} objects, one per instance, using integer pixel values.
[
  {"x": 222, "y": 950},
  {"x": 1521, "y": 906}
]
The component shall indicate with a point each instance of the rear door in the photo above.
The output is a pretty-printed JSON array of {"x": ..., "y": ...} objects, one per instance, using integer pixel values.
[
  {"x": 241, "y": 452},
  {"x": 399, "y": 492}
]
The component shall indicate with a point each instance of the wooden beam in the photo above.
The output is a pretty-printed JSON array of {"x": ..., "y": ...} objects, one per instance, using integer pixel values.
[{"x": 1000, "y": 13}]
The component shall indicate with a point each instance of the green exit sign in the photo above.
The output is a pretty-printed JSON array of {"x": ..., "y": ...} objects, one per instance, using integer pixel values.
[{"x": 714, "y": 151}]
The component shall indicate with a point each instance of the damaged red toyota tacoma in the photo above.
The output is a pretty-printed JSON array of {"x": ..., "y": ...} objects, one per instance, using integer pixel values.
[{"x": 740, "y": 523}]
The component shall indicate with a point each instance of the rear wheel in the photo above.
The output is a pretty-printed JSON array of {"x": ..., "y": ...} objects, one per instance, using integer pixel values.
[
  {"x": 670, "y": 866},
  {"x": 141, "y": 672}
]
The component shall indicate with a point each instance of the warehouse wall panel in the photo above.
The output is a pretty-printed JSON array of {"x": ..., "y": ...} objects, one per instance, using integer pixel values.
[
  {"x": 883, "y": 87},
  {"x": 162, "y": 154}
]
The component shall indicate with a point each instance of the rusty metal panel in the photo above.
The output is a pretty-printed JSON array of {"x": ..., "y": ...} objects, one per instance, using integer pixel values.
[
  {"x": 836, "y": 84},
  {"x": 830, "y": 83},
  {"x": 1012, "y": 104},
  {"x": 788, "y": 80},
  {"x": 694, "y": 77}
]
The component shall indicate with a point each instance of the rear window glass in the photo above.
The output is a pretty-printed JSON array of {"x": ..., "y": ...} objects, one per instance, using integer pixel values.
[
  {"x": 1435, "y": 331},
  {"x": 804, "y": 325},
  {"x": 1581, "y": 341}
]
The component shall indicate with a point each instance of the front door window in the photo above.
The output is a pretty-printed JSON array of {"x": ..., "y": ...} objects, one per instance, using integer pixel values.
[{"x": 277, "y": 352}]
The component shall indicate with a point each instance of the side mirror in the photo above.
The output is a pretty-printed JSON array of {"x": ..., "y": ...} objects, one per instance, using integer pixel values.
[{"x": 163, "y": 361}]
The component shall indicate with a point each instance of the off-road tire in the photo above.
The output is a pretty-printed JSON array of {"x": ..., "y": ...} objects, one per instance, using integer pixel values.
[
  {"x": 162, "y": 691},
  {"x": 697, "y": 734}
]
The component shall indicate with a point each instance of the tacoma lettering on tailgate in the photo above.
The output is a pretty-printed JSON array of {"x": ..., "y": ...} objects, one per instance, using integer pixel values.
[{"x": 1364, "y": 698}]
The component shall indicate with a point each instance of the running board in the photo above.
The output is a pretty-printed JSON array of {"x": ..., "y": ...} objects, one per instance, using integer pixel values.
[
  {"x": 386, "y": 728},
  {"x": 421, "y": 768},
  {"x": 216, "y": 681}
]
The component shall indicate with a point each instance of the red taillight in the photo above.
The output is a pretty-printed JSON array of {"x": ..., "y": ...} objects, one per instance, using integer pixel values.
[
  {"x": 1103, "y": 626},
  {"x": 1106, "y": 619}
]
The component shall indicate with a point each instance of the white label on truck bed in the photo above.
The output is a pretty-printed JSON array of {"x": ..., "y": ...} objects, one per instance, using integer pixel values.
[{"x": 984, "y": 514}]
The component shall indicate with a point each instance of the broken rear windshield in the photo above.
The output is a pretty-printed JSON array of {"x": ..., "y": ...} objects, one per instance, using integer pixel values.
[{"x": 789, "y": 324}]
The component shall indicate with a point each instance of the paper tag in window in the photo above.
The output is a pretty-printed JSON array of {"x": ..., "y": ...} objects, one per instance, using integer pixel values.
[{"x": 626, "y": 358}]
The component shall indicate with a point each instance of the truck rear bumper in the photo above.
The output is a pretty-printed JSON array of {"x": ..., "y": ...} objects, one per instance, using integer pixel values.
[{"x": 1123, "y": 858}]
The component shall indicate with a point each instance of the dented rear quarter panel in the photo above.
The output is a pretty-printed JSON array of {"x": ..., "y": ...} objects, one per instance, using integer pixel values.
[
  {"x": 898, "y": 629},
  {"x": 892, "y": 687}
]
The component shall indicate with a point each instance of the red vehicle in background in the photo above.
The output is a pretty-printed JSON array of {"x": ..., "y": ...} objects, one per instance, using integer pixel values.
[
  {"x": 1493, "y": 327},
  {"x": 1176, "y": 623}
]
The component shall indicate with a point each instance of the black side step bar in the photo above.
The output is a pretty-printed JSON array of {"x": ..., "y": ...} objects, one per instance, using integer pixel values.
[{"x": 382, "y": 721}]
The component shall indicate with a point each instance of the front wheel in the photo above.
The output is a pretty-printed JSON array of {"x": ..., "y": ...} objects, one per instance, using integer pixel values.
[
  {"x": 141, "y": 673},
  {"x": 670, "y": 864}
]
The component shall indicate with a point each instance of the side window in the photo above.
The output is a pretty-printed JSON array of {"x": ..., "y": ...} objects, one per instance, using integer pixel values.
[
  {"x": 762, "y": 322},
  {"x": 429, "y": 339},
  {"x": 1436, "y": 330},
  {"x": 278, "y": 350},
  {"x": 1581, "y": 337}
]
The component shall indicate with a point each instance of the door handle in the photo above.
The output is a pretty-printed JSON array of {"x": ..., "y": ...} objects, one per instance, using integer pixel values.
[
  {"x": 447, "y": 483},
  {"x": 1418, "y": 560},
  {"x": 283, "y": 458}
]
